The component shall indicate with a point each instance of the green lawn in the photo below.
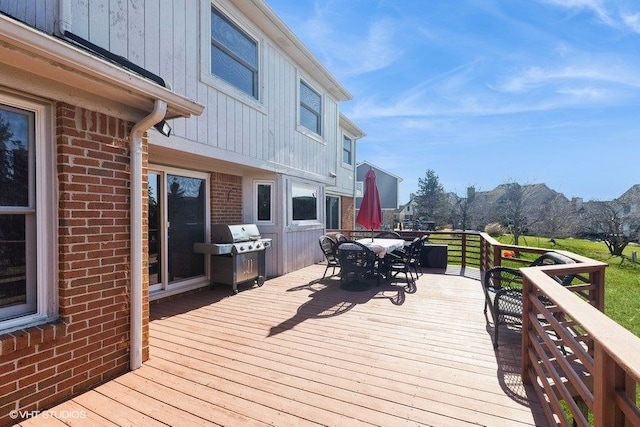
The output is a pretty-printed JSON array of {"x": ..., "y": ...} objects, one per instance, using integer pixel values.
[{"x": 622, "y": 277}]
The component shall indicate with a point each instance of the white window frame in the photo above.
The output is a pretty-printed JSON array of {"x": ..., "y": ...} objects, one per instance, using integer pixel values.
[
  {"x": 206, "y": 75},
  {"x": 315, "y": 188},
  {"x": 351, "y": 145},
  {"x": 271, "y": 185},
  {"x": 255, "y": 71},
  {"x": 328, "y": 196},
  {"x": 41, "y": 248},
  {"x": 302, "y": 128}
]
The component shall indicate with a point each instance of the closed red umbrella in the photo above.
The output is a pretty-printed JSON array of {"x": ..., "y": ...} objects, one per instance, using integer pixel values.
[{"x": 370, "y": 214}]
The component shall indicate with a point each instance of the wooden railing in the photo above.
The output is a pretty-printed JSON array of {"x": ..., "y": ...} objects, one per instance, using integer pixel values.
[{"x": 582, "y": 363}]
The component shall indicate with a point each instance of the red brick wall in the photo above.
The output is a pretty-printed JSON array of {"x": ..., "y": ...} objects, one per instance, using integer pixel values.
[
  {"x": 226, "y": 198},
  {"x": 348, "y": 213},
  {"x": 89, "y": 344}
]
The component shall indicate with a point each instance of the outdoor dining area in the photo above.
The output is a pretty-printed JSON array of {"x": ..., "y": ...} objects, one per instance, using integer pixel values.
[
  {"x": 380, "y": 257},
  {"x": 362, "y": 262}
]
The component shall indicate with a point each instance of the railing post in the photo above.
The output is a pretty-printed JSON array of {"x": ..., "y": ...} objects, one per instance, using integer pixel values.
[
  {"x": 596, "y": 278},
  {"x": 525, "y": 362},
  {"x": 463, "y": 261},
  {"x": 604, "y": 384}
]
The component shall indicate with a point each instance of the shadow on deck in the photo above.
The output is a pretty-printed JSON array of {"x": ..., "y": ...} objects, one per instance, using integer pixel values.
[{"x": 301, "y": 351}]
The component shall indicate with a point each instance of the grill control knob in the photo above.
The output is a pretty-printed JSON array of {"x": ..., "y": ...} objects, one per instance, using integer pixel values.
[{"x": 250, "y": 247}]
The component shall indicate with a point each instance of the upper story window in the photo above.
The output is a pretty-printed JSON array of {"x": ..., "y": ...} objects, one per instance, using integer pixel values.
[
  {"x": 347, "y": 150},
  {"x": 234, "y": 55},
  {"x": 310, "y": 109},
  {"x": 27, "y": 219}
]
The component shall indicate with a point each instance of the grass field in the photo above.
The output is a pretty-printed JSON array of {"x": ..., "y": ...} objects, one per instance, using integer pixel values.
[{"x": 622, "y": 277}]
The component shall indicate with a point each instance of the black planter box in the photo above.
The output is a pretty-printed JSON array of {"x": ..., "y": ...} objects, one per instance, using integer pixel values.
[{"x": 433, "y": 256}]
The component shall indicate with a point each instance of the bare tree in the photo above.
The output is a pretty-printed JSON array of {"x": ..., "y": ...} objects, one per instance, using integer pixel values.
[
  {"x": 516, "y": 210},
  {"x": 462, "y": 209},
  {"x": 609, "y": 222}
]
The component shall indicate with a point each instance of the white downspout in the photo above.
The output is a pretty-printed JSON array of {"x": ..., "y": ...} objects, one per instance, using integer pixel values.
[
  {"x": 64, "y": 16},
  {"x": 137, "y": 132}
]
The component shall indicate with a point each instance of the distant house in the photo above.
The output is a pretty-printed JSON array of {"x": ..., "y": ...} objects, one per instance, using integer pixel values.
[
  {"x": 405, "y": 215},
  {"x": 388, "y": 187}
]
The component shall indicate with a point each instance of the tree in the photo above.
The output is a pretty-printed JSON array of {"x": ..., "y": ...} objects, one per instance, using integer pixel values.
[
  {"x": 514, "y": 209},
  {"x": 607, "y": 221},
  {"x": 462, "y": 210},
  {"x": 431, "y": 202}
]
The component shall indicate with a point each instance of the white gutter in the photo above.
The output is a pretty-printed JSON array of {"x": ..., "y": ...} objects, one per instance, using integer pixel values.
[{"x": 137, "y": 132}]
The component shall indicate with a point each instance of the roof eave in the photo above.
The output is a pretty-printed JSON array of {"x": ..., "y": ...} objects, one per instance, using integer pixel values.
[{"x": 38, "y": 54}]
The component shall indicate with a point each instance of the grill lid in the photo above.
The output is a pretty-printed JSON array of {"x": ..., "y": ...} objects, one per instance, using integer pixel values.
[{"x": 235, "y": 233}]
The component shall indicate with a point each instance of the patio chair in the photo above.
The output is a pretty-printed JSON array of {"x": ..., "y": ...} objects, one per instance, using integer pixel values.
[
  {"x": 329, "y": 246},
  {"x": 357, "y": 262},
  {"x": 503, "y": 290},
  {"x": 339, "y": 238},
  {"x": 403, "y": 261}
]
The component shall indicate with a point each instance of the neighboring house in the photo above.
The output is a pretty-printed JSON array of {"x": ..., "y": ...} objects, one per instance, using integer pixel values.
[
  {"x": 388, "y": 187},
  {"x": 406, "y": 213},
  {"x": 99, "y": 211}
]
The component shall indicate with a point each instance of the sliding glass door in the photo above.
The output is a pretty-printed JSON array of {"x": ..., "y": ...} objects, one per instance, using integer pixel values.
[{"x": 178, "y": 215}]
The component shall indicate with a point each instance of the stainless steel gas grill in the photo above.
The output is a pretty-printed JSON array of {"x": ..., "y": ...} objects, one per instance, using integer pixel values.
[{"x": 237, "y": 254}]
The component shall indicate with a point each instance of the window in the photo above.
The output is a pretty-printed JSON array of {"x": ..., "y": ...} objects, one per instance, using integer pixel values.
[
  {"x": 310, "y": 109},
  {"x": 347, "y": 149},
  {"x": 27, "y": 216},
  {"x": 264, "y": 204},
  {"x": 304, "y": 203},
  {"x": 333, "y": 213},
  {"x": 234, "y": 55}
]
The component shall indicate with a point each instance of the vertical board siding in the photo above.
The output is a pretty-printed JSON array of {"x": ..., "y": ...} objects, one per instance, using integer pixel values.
[
  {"x": 168, "y": 38},
  {"x": 152, "y": 36},
  {"x": 41, "y": 14}
]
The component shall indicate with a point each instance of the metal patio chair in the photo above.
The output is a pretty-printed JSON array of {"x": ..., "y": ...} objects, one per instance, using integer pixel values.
[
  {"x": 503, "y": 290},
  {"x": 329, "y": 246}
]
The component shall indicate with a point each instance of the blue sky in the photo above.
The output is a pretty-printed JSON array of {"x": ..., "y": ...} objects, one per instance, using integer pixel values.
[{"x": 485, "y": 92}]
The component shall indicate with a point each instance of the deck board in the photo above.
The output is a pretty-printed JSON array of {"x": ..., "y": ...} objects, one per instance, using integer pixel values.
[{"x": 302, "y": 351}]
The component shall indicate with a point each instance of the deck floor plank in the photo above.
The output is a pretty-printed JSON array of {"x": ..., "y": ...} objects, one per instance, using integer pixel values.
[{"x": 302, "y": 351}]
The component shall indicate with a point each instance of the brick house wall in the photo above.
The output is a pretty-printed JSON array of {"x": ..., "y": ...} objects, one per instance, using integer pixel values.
[
  {"x": 348, "y": 213},
  {"x": 226, "y": 198},
  {"x": 42, "y": 365}
]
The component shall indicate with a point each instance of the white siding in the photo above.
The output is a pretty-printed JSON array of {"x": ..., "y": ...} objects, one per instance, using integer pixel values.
[{"x": 171, "y": 38}]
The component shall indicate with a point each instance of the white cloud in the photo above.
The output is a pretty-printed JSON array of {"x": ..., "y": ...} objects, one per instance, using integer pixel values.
[
  {"x": 632, "y": 21},
  {"x": 596, "y": 6}
]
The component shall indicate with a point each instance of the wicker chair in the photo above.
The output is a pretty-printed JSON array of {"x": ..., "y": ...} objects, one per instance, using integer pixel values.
[
  {"x": 403, "y": 261},
  {"x": 339, "y": 237},
  {"x": 503, "y": 290},
  {"x": 329, "y": 246},
  {"x": 357, "y": 262}
]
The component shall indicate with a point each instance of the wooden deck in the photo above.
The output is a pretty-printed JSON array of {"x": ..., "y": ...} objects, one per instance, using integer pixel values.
[{"x": 301, "y": 351}]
